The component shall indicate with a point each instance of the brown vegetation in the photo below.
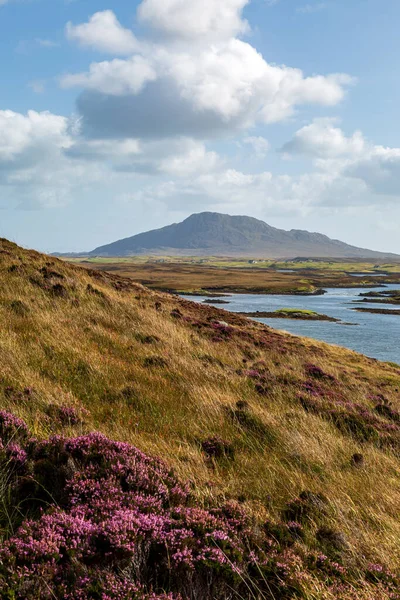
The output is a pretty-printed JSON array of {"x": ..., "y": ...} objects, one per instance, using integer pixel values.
[{"x": 189, "y": 278}]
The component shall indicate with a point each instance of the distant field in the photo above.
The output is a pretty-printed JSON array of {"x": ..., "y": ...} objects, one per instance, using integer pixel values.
[
  {"x": 350, "y": 265},
  {"x": 216, "y": 275}
]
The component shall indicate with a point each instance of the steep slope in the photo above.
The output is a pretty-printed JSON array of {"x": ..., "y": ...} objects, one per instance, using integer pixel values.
[
  {"x": 224, "y": 235},
  {"x": 302, "y": 437}
]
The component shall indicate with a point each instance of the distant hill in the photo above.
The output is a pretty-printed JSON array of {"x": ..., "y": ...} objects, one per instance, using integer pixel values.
[{"x": 214, "y": 234}]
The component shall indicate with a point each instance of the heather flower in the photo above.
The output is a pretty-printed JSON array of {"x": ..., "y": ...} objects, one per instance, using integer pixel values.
[
  {"x": 16, "y": 455},
  {"x": 117, "y": 524},
  {"x": 11, "y": 427},
  {"x": 318, "y": 373}
]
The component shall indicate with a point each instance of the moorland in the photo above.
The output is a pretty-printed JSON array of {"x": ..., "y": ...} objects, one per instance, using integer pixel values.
[
  {"x": 208, "y": 275},
  {"x": 153, "y": 448}
]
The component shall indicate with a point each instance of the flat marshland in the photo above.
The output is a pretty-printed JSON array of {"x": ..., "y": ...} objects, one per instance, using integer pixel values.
[
  {"x": 302, "y": 436},
  {"x": 213, "y": 275}
]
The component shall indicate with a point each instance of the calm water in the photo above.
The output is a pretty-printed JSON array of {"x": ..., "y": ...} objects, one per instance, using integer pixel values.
[{"x": 377, "y": 336}]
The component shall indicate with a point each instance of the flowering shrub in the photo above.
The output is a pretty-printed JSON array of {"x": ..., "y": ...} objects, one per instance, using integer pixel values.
[
  {"x": 101, "y": 520},
  {"x": 380, "y": 426},
  {"x": 11, "y": 427},
  {"x": 67, "y": 415},
  {"x": 318, "y": 373},
  {"x": 103, "y": 509}
]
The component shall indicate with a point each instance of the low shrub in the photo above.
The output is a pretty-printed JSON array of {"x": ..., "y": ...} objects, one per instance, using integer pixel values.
[
  {"x": 19, "y": 308},
  {"x": 155, "y": 361},
  {"x": 318, "y": 373},
  {"x": 59, "y": 291},
  {"x": 66, "y": 415},
  {"x": 357, "y": 460},
  {"x": 308, "y": 506},
  {"x": 216, "y": 447},
  {"x": 331, "y": 540},
  {"x": 99, "y": 520}
]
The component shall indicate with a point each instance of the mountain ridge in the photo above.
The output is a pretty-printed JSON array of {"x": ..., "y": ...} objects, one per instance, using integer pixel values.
[{"x": 216, "y": 234}]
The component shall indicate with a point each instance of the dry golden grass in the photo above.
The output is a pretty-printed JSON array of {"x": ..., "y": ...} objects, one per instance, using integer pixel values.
[{"x": 87, "y": 347}]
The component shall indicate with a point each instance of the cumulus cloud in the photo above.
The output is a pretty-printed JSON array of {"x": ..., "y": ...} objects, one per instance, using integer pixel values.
[
  {"x": 115, "y": 78},
  {"x": 185, "y": 89},
  {"x": 44, "y": 161},
  {"x": 191, "y": 158},
  {"x": 103, "y": 32},
  {"x": 197, "y": 79},
  {"x": 228, "y": 190},
  {"x": 379, "y": 168},
  {"x": 34, "y": 169},
  {"x": 147, "y": 117},
  {"x": 349, "y": 157},
  {"x": 22, "y": 135},
  {"x": 180, "y": 157},
  {"x": 322, "y": 139},
  {"x": 210, "y": 19}
]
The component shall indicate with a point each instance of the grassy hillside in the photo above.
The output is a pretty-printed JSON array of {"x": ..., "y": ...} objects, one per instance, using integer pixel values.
[{"x": 291, "y": 429}]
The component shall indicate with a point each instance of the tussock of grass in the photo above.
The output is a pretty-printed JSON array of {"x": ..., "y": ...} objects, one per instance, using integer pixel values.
[{"x": 167, "y": 375}]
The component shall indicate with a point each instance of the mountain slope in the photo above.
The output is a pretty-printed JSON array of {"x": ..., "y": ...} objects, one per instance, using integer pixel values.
[
  {"x": 214, "y": 234},
  {"x": 304, "y": 436}
]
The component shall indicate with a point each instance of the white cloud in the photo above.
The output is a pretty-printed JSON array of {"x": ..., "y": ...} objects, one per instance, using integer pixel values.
[
  {"x": 349, "y": 157},
  {"x": 22, "y": 134},
  {"x": 33, "y": 168},
  {"x": 103, "y": 32},
  {"x": 259, "y": 144},
  {"x": 322, "y": 139},
  {"x": 191, "y": 159},
  {"x": 212, "y": 87},
  {"x": 95, "y": 150},
  {"x": 181, "y": 157},
  {"x": 379, "y": 169},
  {"x": 44, "y": 162},
  {"x": 116, "y": 77},
  {"x": 210, "y": 19}
]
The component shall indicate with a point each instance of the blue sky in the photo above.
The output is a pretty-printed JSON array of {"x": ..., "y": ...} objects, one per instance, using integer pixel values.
[{"x": 119, "y": 117}]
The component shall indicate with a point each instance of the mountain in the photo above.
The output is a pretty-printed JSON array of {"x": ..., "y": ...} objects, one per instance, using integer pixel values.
[
  {"x": 156, "y": 449},
  {"x": 214, "y": 234}
]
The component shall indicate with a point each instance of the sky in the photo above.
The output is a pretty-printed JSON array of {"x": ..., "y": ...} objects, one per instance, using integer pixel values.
[{"x": 120, "y": 117}]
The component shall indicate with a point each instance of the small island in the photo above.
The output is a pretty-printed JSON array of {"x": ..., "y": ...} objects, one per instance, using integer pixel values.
[
  {"x": 378, "y": 311},
  {"x": 382, "y": 297},
  {"x": 215, "y": 301},
  {"x": 291, "y": 313}
]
